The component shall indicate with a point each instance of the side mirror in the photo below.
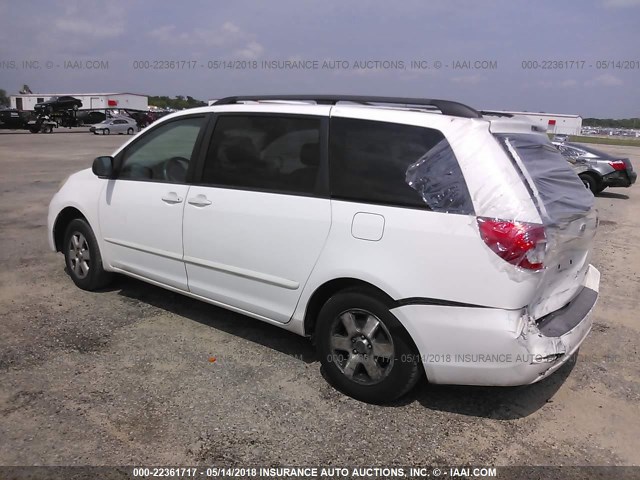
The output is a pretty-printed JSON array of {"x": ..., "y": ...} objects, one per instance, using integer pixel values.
[{"x": 103, "y": 167}]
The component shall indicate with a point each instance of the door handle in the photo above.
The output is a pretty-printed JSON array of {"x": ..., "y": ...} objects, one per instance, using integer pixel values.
[
  {"x": 199, "y": 201},
  {"x": 172, "y": 197}
]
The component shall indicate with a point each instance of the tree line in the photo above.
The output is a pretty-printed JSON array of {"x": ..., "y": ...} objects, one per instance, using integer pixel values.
[
  {"x": 177, "y": 103},
  {"x": 611, "y": 122}
]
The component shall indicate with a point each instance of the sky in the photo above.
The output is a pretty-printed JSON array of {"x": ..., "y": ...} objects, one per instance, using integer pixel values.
[{"x": 578, "y": 57}]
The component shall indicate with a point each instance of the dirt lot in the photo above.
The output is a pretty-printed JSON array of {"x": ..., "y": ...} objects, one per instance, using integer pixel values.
[{"x": 123, "y": 376}]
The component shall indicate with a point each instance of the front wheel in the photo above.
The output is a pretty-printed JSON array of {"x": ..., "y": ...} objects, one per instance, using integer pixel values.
[
  {"x": 364, "y": 350},
  {"x": 106, "y": 131},
  {"x": 130, "y": 131},
  {"x": 82, "y": 257}
]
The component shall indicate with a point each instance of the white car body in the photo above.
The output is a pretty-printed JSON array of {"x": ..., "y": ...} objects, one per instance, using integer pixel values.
[{"x": 474, "y": 318}]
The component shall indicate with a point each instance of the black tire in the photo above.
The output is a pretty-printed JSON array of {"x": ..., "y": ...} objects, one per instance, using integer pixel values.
[
  {"x": 78, "y": 241},
  {"x": 130, "y": 131},
  {"x": 591, "y": 183},
  {"x": 106, "y": 131},
  {"x": 399, "y": 368}
]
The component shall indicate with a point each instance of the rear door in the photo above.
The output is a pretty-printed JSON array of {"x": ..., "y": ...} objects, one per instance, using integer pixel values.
[{"x": 257, "y": 221}]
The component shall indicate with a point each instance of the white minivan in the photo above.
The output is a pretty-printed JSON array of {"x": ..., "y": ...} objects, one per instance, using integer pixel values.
[{"x": 407, "y": 237}]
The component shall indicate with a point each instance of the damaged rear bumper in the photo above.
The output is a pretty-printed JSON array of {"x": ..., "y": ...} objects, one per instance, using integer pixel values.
[
  {"x": 486, "y": 346},
  {"x": 621, "y": 178}
]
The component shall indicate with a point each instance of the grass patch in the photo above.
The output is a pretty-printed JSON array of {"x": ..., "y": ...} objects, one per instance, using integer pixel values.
[{"x": 625, "y": 142}]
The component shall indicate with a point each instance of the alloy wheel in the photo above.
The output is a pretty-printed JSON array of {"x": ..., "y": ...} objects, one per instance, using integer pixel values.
[
  {"x": 362, "y": 347},
  {"x": 79, "y": 255}
]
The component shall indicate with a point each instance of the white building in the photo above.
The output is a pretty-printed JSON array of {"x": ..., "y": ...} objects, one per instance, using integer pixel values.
[
  {"x": 560, "y": 123},
  {"x": 90, "y": 101}
]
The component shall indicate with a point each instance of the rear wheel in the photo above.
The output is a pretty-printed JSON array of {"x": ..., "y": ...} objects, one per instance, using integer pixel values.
[
  {"x": 82, "y": 257},
  {"x": 591, "y": 183},
  {"x": 364, "y": 350}
]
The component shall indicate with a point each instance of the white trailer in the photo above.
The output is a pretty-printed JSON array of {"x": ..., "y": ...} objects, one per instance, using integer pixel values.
[
  {"x": 90, "y": 101},
  {"x": 558, "y": 123}
]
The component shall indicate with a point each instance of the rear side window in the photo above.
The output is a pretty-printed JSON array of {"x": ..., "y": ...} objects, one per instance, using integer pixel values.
[
  {"x": 560, "y": 190},
  {"x": 269, "y": 153},
  {"x": 393, "y": 164}
]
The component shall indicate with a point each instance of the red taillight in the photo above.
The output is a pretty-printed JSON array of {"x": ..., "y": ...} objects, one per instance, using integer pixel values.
[
  {"x": 618, "y": 165},
  {"x": 521, "y": 244}
]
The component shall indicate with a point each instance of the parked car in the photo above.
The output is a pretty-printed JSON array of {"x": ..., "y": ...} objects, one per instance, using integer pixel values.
[
  {"x": 13, "y": 119},
  {"x": 602, "y": 170},
  {"x": 90, "y": 117},
  {"x": 56, "y": 104},
  {"x": 365, "y": 223},
  {"x": 143, "y": 119},
  {"x": 115, "y": 125}
]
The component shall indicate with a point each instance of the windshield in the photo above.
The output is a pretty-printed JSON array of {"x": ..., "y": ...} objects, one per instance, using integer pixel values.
[
  {"x": 590, "y": 150},
  {"x": 559, "y": 189}
]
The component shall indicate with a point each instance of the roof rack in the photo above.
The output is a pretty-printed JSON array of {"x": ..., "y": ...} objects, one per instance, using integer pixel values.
[
  {"x": 494, "y": 113},
  {"x": 447, "y": 107}
]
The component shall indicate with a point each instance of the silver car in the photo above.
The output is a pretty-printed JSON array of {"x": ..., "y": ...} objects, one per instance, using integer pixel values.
[
  {"x": 115, "y": 125},
  {"x": 597, "y": 170}
]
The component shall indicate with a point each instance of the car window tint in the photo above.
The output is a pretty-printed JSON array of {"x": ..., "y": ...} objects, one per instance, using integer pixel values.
[
  {"x": 272, "y": 153},
  {"x": 164, "y": 153},
  {"x": 395, "y": 164}
]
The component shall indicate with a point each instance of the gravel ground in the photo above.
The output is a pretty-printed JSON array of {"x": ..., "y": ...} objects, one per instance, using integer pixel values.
[{"x": 125, "y": 376}]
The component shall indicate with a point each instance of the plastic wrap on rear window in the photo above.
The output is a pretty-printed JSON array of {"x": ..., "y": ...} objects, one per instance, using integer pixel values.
[
  {"x": 437, "y": 177},
  {"x": 567, "y": 213},
  {"x": 560, "y": 192}
]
